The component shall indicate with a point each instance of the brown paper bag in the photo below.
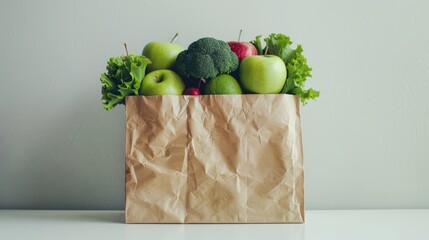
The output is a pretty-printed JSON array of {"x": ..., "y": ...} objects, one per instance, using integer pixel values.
[{"x": 214, "y": 159}]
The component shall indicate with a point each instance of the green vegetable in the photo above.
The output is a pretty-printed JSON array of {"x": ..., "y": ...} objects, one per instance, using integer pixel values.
[
  {"x": 206, "y": 58},
  {"x": 258, "y": 45},
  {"x": 123, "y": 78},
  {"x": 297, "y": 68}
]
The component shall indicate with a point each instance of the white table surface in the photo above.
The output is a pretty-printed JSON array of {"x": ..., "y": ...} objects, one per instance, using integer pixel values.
[{"x": 336, "y": 224}]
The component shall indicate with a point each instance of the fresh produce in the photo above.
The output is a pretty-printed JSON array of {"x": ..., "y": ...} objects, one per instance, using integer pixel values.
[
  {"x": 192, "y": 91},
  {"x": 268, "y": 65},
  {"x": 162, "y": 82},
  {"x": 206, "y": 58},
  {"x": 123, "y": 78},
  {"x": 263, "y": 74},
  {"x": 297, "y": 69},
  {"x": 223, "y": 84},
  {"x": 162, "y": 54},
  {"x": 242, "y": 49}
]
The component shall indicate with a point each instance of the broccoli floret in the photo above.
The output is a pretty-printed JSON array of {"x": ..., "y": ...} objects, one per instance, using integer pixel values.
[{"x": 206, "y": 58}]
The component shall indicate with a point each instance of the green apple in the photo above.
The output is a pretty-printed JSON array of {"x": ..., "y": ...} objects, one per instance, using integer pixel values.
[
  {"x": 263, "y": 74},
  {"x": 162, "y": 82},
  {"x": 223, "y": 84},
  {"x": 162, "y": 54}
]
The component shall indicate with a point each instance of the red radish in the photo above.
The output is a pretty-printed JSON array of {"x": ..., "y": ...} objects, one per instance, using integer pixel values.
[
  {"x": 242, "y": 49},
  {"x": 195, "y": 91},
  {"x": 192, "y": 91}
]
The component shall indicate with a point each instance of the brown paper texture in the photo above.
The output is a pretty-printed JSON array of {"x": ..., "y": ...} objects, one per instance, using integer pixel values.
[{"x": 214, "y": 159}]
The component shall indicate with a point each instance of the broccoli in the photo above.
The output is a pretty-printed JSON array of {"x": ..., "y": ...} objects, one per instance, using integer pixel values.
[{"x": 206, "y": 58}]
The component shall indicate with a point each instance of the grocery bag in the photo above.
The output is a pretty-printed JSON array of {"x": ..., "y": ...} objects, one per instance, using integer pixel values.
[{"x": 214, "y": 159}]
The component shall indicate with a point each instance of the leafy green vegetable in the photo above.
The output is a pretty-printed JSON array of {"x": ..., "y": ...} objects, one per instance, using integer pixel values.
[
  {"x": 297, "y": 68},
  {"x": 206, "y": 58},
  {"x": 123, "y": 78},
  {"x": 258, "y": 44}
]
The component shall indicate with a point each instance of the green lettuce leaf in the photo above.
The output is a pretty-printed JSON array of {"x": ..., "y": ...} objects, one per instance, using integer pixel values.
[
  {"x": 258, "y": 44},
  {"x": 123, "y": 78},
  {"x": 298, "y": 70}
]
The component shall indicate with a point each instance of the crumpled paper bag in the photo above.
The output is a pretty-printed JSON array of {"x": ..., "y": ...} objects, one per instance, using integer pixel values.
[{"x": 214, "y": 159}]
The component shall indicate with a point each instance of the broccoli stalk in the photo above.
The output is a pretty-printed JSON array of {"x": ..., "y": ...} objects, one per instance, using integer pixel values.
[{"x": 206, "y": 58}]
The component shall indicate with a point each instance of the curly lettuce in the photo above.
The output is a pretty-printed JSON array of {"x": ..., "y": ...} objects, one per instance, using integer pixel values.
[
  {"x": 298, "y": 70},
  {"x": 123, "y": 78},
  {"x": 258, "y": 44}
]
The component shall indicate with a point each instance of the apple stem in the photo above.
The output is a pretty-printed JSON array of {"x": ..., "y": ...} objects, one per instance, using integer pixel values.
[
  {"x": 239, "y": 35},
  {"x": 174, "y": 38},
  {"x": 266, "y": 51},
  {"x": 126, "y": 49}
]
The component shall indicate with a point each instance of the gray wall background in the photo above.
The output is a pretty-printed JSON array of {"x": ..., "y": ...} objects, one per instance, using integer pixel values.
[{"x": 365, "y": 140}]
